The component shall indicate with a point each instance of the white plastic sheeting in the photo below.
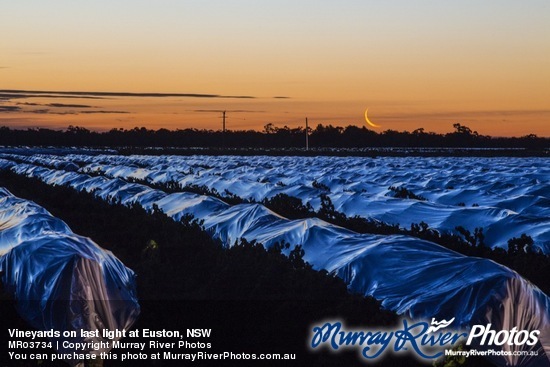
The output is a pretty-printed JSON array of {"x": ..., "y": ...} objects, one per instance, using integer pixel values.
[
  {"x": 61, "y": 281},
  {"x": 408, "y": 275},
  {"x": 506, "y": 196}
]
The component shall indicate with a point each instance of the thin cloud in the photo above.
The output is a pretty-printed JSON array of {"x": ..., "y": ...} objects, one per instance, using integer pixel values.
[
  {"x": 42, "y": 111},
  {"x": 46, "y": 111},
  {"x": 115, "y": 94},
  {"x": 69, "y": 105},
  {"x": 90, "y": 112},
  {"x": 58, "y": 109},
  {"x": 24, "y": 96},
  {"x": 238, "y": 111},
  {"x": 57, "y": 105},
  {"x": 9, "y": 109},
  {"x": 28, "y": 104}
]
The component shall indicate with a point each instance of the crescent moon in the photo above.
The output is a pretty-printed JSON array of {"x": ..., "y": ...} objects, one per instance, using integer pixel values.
[{"x": 369, "y": 121}]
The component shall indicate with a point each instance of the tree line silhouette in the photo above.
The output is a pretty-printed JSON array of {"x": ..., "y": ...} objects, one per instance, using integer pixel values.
[{"x": 322, "y": 136}]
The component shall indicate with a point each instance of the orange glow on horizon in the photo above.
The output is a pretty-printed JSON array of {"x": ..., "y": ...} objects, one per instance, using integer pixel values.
[
  {"x": 427, "y": 64},
  {"x": 203, "y": 113}
]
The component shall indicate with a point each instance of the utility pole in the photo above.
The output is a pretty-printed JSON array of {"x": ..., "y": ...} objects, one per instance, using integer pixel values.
[
  {"x": 307, "y": 136},
  {"x": 223, "y": 129}
]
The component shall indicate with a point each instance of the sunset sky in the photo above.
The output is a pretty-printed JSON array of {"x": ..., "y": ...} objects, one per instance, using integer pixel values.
[{"x": 414, "y": 64}]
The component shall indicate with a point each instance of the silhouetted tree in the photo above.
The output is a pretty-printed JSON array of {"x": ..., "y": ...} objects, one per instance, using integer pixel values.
[{"x": 523, "y": 244}]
